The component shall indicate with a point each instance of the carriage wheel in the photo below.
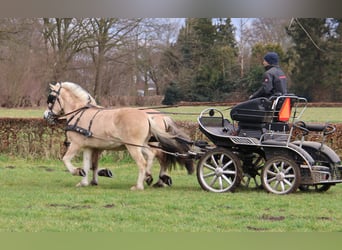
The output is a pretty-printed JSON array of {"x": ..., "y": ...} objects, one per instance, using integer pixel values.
[
  {"x": 252, "y": 171},
  {"x": 315, "y": 187},
  {"x": 280, "y": 175},
  {"x": 219, "y": 170}
]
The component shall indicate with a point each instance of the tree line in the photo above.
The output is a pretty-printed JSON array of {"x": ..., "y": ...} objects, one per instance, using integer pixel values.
[{"x": 191, "y": 59}]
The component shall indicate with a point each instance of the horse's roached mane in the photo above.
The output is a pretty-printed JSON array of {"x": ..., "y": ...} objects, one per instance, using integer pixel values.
[{"x": 79, "y": 92}]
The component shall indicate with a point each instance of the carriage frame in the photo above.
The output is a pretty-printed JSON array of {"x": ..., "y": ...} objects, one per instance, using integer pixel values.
[{"x": 264, "y": 145}]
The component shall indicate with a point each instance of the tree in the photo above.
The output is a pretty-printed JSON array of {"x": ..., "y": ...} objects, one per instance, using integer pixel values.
[
  {"x": 107, "y": 34},
  {"x": 172, "y": 94},
  {"x": 21, "y": 60},
  {"x": 154, "y": 40},
  {"x": 310, "y": 55},
  {"x": 64, "y": 38},
  {"x": 207, "y": 58}
]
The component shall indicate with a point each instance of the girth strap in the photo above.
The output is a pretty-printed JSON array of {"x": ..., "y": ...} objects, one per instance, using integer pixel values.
[{"x": 80, "y": 130}]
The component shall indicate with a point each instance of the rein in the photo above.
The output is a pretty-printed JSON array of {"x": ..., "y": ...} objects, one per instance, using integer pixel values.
[
  {"x": 88, "y": 133},
  {"x": 62, "y": 117}
]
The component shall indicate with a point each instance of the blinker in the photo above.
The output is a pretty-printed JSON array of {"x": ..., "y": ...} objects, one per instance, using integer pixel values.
[{"x": 51, "y": 99}]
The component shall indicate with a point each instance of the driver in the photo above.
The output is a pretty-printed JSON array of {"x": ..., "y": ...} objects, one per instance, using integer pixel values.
[{"x": 274, "y": 79}]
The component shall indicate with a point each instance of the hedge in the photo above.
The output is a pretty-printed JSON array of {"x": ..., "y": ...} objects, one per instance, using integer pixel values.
[{"x": 35, "y": 138}]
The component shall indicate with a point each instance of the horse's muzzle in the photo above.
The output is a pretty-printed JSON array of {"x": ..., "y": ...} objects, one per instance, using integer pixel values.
[{"x": 50, "y": 117}]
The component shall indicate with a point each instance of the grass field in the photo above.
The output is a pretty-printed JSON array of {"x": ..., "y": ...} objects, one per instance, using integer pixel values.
[{"x": 40, "y": 196}]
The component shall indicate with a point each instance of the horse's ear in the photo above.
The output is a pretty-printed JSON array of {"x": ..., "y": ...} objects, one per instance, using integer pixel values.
[{"x": 53, "y": 85}]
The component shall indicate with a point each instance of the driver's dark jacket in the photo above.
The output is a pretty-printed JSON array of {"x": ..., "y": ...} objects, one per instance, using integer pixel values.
[{"x": 274, "y": 83}]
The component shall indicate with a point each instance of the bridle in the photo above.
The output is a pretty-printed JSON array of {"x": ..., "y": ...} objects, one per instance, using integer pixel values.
[{"x": 51, "y": 101}]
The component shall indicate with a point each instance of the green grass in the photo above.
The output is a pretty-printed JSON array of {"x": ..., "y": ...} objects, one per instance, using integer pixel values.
[{"x": 40, "y": 196}]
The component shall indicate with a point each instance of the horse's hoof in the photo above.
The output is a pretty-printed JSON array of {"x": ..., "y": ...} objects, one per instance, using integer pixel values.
[
  {"x": 135, "y": 188},
  {"x": 81, "y": 184},
  {"x": 105, "y": 172},
  {"x": 159, "y": 184},
  {"x": 166, "y": 179},
  {"x": 94, "y": 183},
  {"x": 80, "y": 172},
  {"x": 149, "y": 180}
]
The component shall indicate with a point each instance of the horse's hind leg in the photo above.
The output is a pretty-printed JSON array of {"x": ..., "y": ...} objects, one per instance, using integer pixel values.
[
  {"x": 137, "y": 155},
  {"x": 105, "y": 172},
  {"x": 149, "y": 156},
  {"x": 164, "y": 179}
]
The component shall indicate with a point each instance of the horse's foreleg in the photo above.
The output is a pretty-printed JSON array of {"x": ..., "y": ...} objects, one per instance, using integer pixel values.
[
  {"x": 69, "y": 155},
  {"x": 94, "y": 165},
  {"x": 87, "y": 163}
]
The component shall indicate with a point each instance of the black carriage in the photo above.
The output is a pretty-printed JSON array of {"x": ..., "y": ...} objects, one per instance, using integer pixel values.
[{"x": 264, "y": 146}]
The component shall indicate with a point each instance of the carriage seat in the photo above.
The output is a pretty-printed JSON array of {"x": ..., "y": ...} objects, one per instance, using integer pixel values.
[
  {"x": 258, "y": 115},
  {"x": 253, "y": 111},
  {"x": 263, "y": 110}
]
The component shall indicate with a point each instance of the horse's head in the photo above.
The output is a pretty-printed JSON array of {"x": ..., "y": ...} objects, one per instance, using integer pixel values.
[
  {"x": 66, "y": 98},
  {"x": 54, "y": 103}
]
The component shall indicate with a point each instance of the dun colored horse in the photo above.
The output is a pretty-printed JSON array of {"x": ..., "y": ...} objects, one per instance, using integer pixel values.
[
  {"x": 91, "y": 129},
  {"x": 166, "y": 161}
]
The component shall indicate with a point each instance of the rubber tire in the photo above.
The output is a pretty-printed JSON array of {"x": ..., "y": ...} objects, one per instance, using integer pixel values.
[
  {"x": 212, "y": 171},
  {"x": 315, "y": 188},
  {"x": 276, "y": 170}
]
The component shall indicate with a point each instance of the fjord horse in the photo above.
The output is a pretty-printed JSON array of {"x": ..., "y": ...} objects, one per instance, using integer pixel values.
[
  {"x": 166, "y": 161},
  {"x": 91, "y": 127}
]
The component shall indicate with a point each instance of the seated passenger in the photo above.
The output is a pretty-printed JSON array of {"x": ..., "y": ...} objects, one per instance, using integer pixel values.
[{"x": 274, "y": 79}]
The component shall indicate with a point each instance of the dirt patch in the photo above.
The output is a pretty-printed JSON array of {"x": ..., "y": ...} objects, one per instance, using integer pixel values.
[
  {"x": 10, "y": 167},
  {"x": 272, "y": 218},
  {"x": 69, "y": 206},
  {"x": 324, "y": 218},
  {"x": 256, "y": 228},
  {"x": 46, "y": 168},
  {"x": 109, "y": 206}
]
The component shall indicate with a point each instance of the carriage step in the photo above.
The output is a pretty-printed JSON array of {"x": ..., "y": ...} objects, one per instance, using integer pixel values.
[{"x": 201, "y": 144}]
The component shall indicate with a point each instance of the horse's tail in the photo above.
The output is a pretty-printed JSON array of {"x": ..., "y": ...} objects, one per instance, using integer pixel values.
[{"x": 173, "y": 141}]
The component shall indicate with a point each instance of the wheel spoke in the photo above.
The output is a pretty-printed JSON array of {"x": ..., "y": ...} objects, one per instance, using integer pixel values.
[
  {"x": 282, "y": 186},
  {"x": 220, "y": 182},
  {"x": 289, "y": 176},
  {"x": 271, "y": 179},
  {"x": 229, "y": 172},
  {"x": 276, "y": 167},
  {"x": 213, "y": 160},
  {"x": 271, "y": 173},
  {"x": 227, "y": 179},
  {"x": 209, "y": 175},
  {"x": 227, "y": 165},
  {"x": 209, "y": 166},
  {"x": 288, "y": 182},
  {"x": 213, "y": 181},
  {"x": 276, "y": 185}
]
